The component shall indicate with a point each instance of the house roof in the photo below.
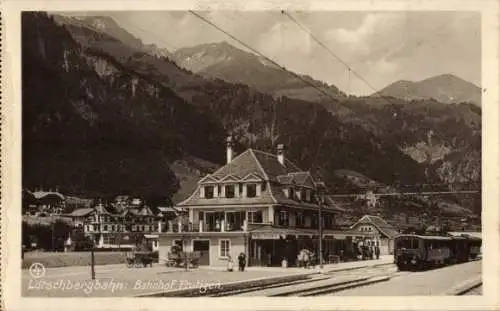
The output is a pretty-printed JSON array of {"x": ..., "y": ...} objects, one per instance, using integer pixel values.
[
  {"x": 171, "y": 209},
  {"x": 260, "y": 163},
  {"x": 384, "y": 228},
  {"x": 272, "y": 167},
  {"x": 285, "y": 179},
  {"x": 468, "y": 233},
  {"x": 28, "y": 196},
  {"x": 45, "y": 194},
  {"x": 82, "y": 212},
  {"x": 254, "y": 165},
  {"x": 140, "y": 211},
  {"x": 101, "y": 209}
]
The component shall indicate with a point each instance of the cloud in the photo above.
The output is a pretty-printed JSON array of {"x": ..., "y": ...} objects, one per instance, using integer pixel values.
[
  {"x": 375, "y": 30},
  {"x": 285, "y": 37},
  {"x": 381, "y": 46}
]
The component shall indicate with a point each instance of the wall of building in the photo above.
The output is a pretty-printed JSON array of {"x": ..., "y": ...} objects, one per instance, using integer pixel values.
[
  {"x": 237, "y": 243},
  {"x": 366, "y": 228},
  {"x": 386, "y": 244},
  {"x": 237, "y": 247}
]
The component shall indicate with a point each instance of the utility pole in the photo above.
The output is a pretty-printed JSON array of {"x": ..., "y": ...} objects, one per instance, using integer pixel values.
[
  {"x": 92, "y": 257},
  {"x": 184, "y": 243},
  {"x": 52, "y": 233},
  {"x": 320, "y": 227},
  {"x": 92, "y": 261}
]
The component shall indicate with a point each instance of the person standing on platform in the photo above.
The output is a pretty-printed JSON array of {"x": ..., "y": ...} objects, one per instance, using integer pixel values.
[
  {"x": 377, "y": 252},
  {"x": 306, "y": 259},
  {"x": 299, "y": 259},
  {"x": 229, "y": 264},
  {"x": 242, "y": 261}
]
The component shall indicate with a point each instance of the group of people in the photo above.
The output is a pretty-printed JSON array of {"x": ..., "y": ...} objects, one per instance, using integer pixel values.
[
  {"x": 241, "y": 262},
  {"x": 369, "y": 252},
  {"x": 305, "y": 258}
]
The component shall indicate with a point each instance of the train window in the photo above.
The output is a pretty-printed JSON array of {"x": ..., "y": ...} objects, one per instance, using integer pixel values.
[
  {"x": 414, "y": 243},
  {"x": 404, "y": 243}
]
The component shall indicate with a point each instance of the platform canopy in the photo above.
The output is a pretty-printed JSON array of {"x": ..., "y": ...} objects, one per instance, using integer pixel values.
[{"x": 268, "y": 232}]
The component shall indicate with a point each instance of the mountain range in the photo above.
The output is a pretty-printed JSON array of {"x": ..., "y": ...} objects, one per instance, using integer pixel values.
[
  {"x": 223, "y": 60},
  {"x": 105, "y": 114},
  {"x": 444, "y": 88}
]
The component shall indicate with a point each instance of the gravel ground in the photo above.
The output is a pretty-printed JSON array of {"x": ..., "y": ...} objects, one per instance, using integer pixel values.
[{"x": 431, "y": 282}]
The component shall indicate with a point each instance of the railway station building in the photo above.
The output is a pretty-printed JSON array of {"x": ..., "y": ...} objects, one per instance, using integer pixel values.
[
  {"x": 260, "y": 204},
  {"x": 379, "y": 231}
]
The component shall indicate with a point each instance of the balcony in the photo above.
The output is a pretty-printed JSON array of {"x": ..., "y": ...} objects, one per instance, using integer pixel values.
[{"x": 230, "y": 227}]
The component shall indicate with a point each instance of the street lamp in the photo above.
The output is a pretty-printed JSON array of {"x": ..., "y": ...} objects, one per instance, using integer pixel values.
[
  {"x": 92, "y": 261},
  {"x": 184, "y": 251},
  {"x": 92, "y": 256},
  {"x": 319, "y": 189}
]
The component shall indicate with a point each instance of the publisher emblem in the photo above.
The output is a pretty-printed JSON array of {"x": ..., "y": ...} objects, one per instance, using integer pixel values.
[{"x": 37, "y": 270}]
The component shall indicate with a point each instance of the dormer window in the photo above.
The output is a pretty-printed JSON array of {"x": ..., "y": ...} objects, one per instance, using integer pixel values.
[
  {"x": 299, "y": 194},
  {"x": 209, "y": 192},
  {"x": 291, "y": 193},
  {"x": 287, "y": 193},
  {"x": 308, "y": 195},
  {"x": 229, "y": 191},
  {"x": 251, "y": 190}
]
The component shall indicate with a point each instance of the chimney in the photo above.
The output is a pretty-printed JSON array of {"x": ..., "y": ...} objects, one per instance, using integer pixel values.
[
  {"x": 281, "y": 154},
  {"x": 229, "y": 149}
]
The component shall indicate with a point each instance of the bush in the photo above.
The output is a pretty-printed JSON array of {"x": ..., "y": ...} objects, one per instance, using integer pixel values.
[
  {"x": 53, "y": 260},
  {"x": 46, "y": 236}
]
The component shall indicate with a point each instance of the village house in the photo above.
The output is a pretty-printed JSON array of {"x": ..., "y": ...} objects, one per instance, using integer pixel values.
[
  {"x": 260, "y": 204},
  {"x": 43, "y": 203},
  {"x": 110, "y": 227},
  {"x": 380, "y": 232}
]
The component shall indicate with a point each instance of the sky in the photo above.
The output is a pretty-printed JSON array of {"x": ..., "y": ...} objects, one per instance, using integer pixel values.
[{"x": 382, "y": 47}]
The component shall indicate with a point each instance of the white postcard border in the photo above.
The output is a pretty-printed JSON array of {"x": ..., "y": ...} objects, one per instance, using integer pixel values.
[{"x": 11, "y": 164}]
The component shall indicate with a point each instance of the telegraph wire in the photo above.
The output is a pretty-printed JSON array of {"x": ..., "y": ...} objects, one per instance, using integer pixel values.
[
  {"x": 418, "y": 185},
  {"x": 363, "y": 195},
  {"x": 264, "y": 56},
  {"x": 350, "y": 70},
  {"x": 329, "y": 51}
]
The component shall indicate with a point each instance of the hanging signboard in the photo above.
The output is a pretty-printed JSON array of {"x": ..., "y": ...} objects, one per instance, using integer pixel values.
[
  {"x": 304, "y": 236},
  {"x": 266, "y": 236},
  {"x": 340, "y": 237}
]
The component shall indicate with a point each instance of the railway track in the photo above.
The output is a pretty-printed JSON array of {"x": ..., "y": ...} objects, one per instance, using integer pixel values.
[
  {"x": 331, "y": 282},
  {"x": 478, "y": 290},
  {"x": 325, "y": 283}
]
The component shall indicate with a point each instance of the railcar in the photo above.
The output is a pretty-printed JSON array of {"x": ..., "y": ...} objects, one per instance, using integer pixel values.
[
  {"x": 474, "y": 245},
  {"x": 418, "y": 252}
]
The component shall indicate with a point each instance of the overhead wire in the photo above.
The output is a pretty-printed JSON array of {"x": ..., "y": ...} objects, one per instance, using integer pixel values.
[
  {"x": 349, "y": 68},
  {"x": 361, "y": 195},
  {"x": 206, "y": 20},
  {"x": 349, "y": 71},
  {"x": 275, "y": 63}
]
